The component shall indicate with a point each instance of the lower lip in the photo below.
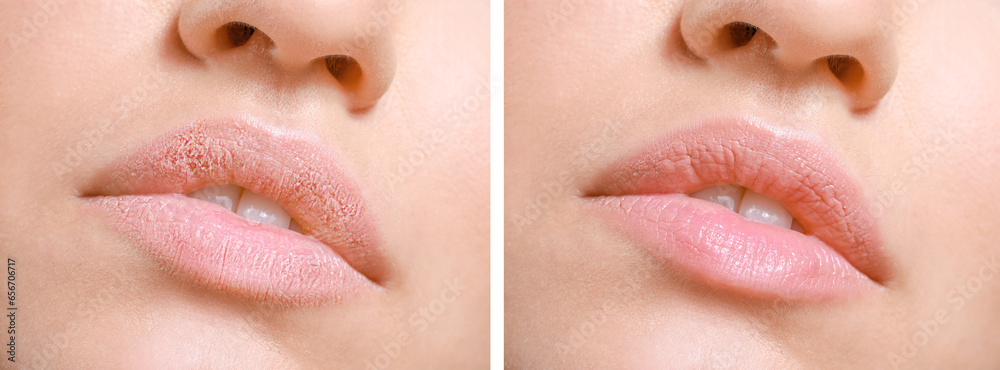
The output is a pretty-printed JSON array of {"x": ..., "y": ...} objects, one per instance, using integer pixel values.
[
  {"x": 718, "y": 246},
  {"x": 212, "y": 246}
]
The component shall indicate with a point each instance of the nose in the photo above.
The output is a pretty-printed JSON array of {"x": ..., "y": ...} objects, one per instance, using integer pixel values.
[
  {"x": 346, "y": 42},
  {"x": 852, "y": 40}
]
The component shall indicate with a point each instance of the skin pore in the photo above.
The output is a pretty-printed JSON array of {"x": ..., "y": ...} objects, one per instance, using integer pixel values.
[
  {"x": 83, "y": 82},
  {"x": 588, "y": 83}
]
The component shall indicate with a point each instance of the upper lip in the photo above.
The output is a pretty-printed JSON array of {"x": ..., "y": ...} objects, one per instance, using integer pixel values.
[
  {"x": 292, "y": 168},
  {"x": 793, "y": 167}
]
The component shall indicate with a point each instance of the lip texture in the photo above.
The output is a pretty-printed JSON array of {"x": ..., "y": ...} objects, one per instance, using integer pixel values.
[
  {"x": 339, "y": 257},
  {"x": 645, "y": 196}
]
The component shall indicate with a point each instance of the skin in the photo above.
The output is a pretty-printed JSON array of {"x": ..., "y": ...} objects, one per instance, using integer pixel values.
[
  {"x": 590, "y": 82},
  {"x": 414, "y": 136}
]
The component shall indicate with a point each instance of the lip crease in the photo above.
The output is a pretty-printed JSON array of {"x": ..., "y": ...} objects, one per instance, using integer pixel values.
[
  {"x": 645, "y": 197},
  {"x": 337, "y": 256}
]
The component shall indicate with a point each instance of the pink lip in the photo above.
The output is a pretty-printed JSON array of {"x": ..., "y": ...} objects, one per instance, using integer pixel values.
[
  {"x": 645, "y": 197},
  {"x": 339, "y": 257}
]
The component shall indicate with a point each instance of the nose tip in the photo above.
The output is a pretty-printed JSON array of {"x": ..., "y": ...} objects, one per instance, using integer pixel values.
[
  {"x": 845, "y": 38},
  {"x": 350, "y": 41}
]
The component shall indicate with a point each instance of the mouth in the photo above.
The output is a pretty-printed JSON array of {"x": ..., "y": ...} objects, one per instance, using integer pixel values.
[
  {"x": 747, "y": 208},
  {"x": 237, "y": 206}
]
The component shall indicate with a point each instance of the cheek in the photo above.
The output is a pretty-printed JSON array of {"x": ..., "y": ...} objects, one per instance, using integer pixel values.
[
  {"x": 941, "y": 121},
  {"x": 956, "y": 112}
]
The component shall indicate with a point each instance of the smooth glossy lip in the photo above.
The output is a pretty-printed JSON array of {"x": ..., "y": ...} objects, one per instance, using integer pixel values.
[
  {"x": 645, "y": 196},
  {"x": 338, "y": 257}
]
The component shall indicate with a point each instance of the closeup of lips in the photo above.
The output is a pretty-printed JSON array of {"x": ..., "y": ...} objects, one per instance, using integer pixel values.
[
  {"x": 269, "y": 214},
  {"x": 748, "y": 207}
]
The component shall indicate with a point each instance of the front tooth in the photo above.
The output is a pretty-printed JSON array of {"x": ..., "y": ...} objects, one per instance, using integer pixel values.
[
  {"x": 256, "y": 207},
  {"x": 226, "y": 196},
  {"x": 728, "y": 196},
  {"x": 757, "y": 207}
]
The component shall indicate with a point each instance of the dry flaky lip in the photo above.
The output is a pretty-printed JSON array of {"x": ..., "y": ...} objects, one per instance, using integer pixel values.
[
  {"x": 797, "y": 169},
  {"x": 295, "y": 170}
]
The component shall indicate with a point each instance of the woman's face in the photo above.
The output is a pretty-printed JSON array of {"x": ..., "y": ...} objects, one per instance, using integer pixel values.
[
  {"x": 382, "y": 157},
  {"x": 887, "y": 159}
]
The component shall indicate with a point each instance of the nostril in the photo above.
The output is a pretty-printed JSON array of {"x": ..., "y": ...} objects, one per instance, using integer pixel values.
[
  {"x": 846, "y": 68},
  {"x": 740, "y": 33},
  {"x": 238, "y": 33},
  {"x": 345, "y": 69}
]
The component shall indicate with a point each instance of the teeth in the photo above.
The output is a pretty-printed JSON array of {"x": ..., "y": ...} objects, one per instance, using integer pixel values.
[
  {"x": 256, "y": 207},
  {"x": 226, "y": 196},
  {"x": 728, "y": 196},
  {"x": 753, "y": 206},
  {"x": 756, "y": 207},
  {"x": 247, "y": 204}
]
